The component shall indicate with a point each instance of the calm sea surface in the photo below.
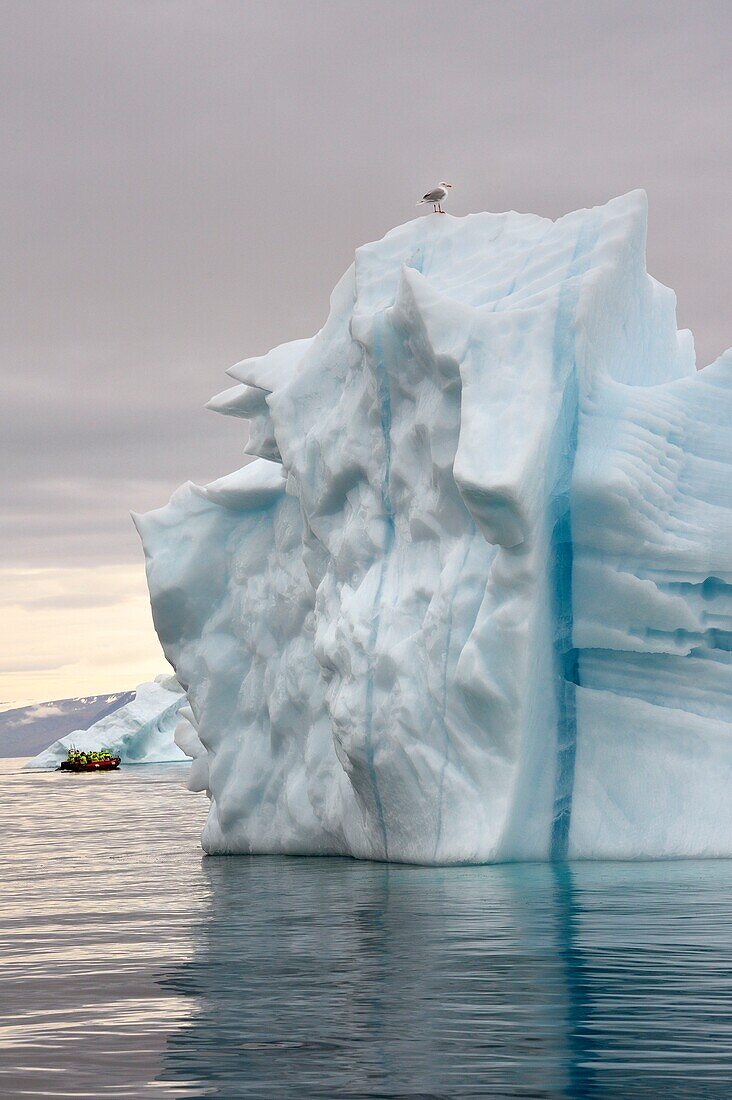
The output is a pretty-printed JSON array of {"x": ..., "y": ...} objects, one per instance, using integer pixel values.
[{"x": 131, "y": 965}]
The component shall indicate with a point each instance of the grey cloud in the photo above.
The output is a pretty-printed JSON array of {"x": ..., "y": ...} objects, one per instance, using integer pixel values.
[
  {"x": 31, "y": 664},
  {"x": 186, "y": 181},
  {"x": 66, "y": 603}
]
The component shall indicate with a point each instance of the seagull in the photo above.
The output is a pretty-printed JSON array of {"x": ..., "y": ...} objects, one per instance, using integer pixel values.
[{"x": 436, "y": 196}]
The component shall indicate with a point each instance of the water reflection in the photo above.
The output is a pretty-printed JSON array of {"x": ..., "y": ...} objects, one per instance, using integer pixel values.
[
  {"x": 131, "y": 966},
  {"x": 336, "y": 978}
]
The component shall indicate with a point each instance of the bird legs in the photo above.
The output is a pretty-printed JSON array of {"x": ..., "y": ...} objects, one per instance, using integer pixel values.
[{"x": 437, "y": 208}]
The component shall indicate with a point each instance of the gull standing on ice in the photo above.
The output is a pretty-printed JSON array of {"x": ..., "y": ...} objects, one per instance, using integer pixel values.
[{"x": 436, "y": 196}]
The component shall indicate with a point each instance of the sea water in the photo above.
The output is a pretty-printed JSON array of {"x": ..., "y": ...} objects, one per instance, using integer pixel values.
[{"x": 131, "y": 964}]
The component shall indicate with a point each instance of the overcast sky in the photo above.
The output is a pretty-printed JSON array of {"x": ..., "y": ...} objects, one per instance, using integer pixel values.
[{"x": 185, "y": 182}]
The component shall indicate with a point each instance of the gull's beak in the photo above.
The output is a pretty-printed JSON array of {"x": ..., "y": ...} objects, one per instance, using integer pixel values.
[{"x": 448, "y": 185}]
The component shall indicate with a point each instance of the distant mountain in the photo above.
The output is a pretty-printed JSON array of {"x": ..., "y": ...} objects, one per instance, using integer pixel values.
[{"x": 25, "y": 731}]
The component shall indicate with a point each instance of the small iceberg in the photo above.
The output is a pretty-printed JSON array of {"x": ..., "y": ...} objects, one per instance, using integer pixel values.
[{"x": 141, "y": 732}]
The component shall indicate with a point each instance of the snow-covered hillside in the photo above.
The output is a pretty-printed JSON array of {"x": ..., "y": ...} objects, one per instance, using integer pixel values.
[{"x": 474, "y": 600}]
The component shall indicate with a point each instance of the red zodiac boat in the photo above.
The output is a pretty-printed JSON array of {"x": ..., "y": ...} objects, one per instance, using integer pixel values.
[{"x": 78, "y": 761}]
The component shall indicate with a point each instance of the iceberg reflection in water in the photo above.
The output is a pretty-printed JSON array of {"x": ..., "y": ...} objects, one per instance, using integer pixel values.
[
  {"x": 335, "y": 978},
  {"x": 130, "y": 965}
]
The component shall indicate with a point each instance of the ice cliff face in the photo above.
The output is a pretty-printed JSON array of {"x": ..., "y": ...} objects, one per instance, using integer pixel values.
[{"x": 474, "y": 601}]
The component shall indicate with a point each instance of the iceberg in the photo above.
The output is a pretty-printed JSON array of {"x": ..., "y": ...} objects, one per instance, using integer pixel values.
[
  {"x": 140, "y": 732},
  {"x": 472, "y": 601}
]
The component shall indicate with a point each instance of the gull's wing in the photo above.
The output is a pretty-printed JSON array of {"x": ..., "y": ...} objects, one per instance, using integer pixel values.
[{"x": 437, "y": 195}]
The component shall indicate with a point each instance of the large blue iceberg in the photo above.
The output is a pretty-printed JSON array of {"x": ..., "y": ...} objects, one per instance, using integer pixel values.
[{"x": 474, "y": 599}]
